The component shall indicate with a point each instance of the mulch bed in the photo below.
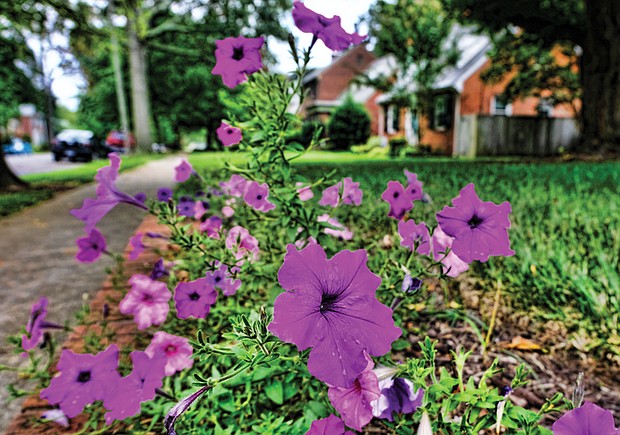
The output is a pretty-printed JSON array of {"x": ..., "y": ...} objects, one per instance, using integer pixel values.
[{"x": 555, "y": 366}]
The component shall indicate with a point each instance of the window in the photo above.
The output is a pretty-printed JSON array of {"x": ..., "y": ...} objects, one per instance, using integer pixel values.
[
  {"x": 441, "y": 113},
  {"x": 392, "y": 119},
  {"x": 500, "y": 105}
]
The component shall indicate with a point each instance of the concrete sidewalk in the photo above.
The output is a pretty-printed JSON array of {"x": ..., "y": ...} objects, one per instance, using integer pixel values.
[{"x": 37, "y": 258}]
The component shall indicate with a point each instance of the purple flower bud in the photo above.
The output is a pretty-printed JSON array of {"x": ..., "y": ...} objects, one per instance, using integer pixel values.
[
  {"x": 411, "y": 285},
  {"x": 105, "y": 311},
  {"x": 178, "y": 409},
  {"x": 507, "y": 390}
]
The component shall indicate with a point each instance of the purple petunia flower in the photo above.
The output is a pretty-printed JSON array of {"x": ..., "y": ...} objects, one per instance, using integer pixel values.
[
  {"x": 83, "y": 379},
  {"x": 588, "y": 419},
  {"x": 140, "y": 197},
  {"x": 159, "y": 270},
  {"x": 414, "y": 186},
  {"x": 415, "y": 236},
  {"x": 177, "y": 410},
  {"x": 200, "y": 210},
  {"x": 108, "y": 196},
  {"x": 176, "y": 350},
  {"x": 256, "y": 197},
  {"x": 305, "y": 192},
  {"x": 340, "y": 231},
  {"x": 222, "y": 279},
  {"x": 328, "y": 30},
  {"x": 452, "y": 265},
  {"x": 397, "y": 395},
  {"x": 480, "y": 229},
  {"x": 137, "y": 247},
  {"x": 351, "y": 192},
  {"x": 229, "y": 135},
  {"x": 212, "y": 226},
  {"x": 411, "y": 285},
  {"x": 90, "y": 247},
  {"x": 147, "y": 301},
  {"x": 236, "y": 186},
  {"x": 194, "y": 299},
  {"x": 137, "y": 387},
  {"x": 330, "y": 305},
  {"x": 331, "y": 195},
  {"x": 56, "y": 416},
  {"x": 183, "y": 171},
  {"x": 236, "y": 57},
  {"x": 164, "y": 194},
  {"x": 186, "y": 206},
  {"x": 355, "y": 403},
  {"x": 400, "y": 202},
  {"x": 34, "y": 333},
  {"x": 331, "y": 425}
]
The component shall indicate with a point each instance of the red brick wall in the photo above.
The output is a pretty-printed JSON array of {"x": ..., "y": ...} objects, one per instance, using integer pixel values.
[
  {"x": 375, "y": 112},
  {"x": 334, "y": 80}
]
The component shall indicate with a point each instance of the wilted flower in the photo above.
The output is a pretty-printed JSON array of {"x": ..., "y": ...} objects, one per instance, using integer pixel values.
[
  {"x": 83, "y": 379},
  {"x": 140, "y": 197},
  {"x": 330, "y": 305},
  {"x": 425, "y": 427},
  {"x": 411, "y": 285},
  {"x": 90, "y": 247},
  {"x": 480, "y": 229},
  {"x": 397, "y": 395},
  {"x": 137, "y": 247},
  {"x": 108, "y": 196},
  {"x": 177, "y": 410},
  {"x": 355, "y": 403},
  {"x": 340, "y": 231},
  {"x": 175, "y": 349},
  {"x": 331, "y": 425},
  {"x": 588, "y": 419},
  {"x": 183, "y": 171},
  {"x": 415, "y": 236},
  {"x": 452, "y": 265},
  {"x": 56, "y": 416},
  {"x": 194, "y": 299},
  {"x": 237, "y": 57},
  {"x": 147, "y": 301},
  {"x": 159, "y": 270},
  {"x": 34, "y": 331},
  {"x": 242, "y": 243},
  {"x": 328, "y": 30},
  {"x": 229, "y": 135},
  {"x": 256, "y": 197}
]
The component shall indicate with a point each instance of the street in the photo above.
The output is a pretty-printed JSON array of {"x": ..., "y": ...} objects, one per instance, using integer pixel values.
[{"x": 23, "y": 164}]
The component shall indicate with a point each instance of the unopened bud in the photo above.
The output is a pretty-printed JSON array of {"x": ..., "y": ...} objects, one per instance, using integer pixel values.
[{"x": 578, "y": 392}]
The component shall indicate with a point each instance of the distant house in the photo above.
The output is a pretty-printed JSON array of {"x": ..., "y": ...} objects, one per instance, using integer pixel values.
[{"x": 458, "y": 92}]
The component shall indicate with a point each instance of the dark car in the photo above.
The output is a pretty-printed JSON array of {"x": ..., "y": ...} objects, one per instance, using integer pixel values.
[
  {"x": 74, "y": 145},
  {"x": 119, "y": 142},
  {"x": 17, "y": 146}
]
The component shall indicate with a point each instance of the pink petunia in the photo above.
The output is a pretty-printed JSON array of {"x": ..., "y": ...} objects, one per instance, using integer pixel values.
[
  {"x": 183, "y": 171},
  {"x": 480, "y": 229},
  {"x": 328, "y": 30},
  {"x": 400, "y": 202},
  {"x": 351, "y": 192},
  {"x": 339, "y": 231},
  {"x": 588, "y": 419},
  {"x": 236, "y": 57},
  {"x": 212, "y": 226},
  {"x": 331, "y": 195},
  {"x": 452, "y": 265},
  {"x": 354, "y": 404},
  {"x": 229, "y": 135},
  {"x": 236, "y": 186},
  {"x": 305, "y": 192},
  {"x": 330, "y": 305},
  {"x": 242, "y": 243},
  {"x": 147, "y": 301},
  {"x": 331, "y": 425},
  {"x": 175, "y": 349},
  {"x": 415, "y": 236},
  {"x": 256, "y": 197},
  {"x": 414, "y": 186}
]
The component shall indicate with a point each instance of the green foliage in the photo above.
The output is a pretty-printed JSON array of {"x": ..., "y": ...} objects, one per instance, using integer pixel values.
[
  {"x": 309, "y": 129},
  {"x": 349, "y": 125}
]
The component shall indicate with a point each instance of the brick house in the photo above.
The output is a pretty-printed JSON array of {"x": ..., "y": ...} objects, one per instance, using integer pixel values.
[{"x": 458, "y": 91}]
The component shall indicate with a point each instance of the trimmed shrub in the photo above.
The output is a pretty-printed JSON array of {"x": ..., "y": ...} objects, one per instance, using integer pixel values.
[
  {"x": 306, "y": 133},
  {"x": 349, "y": 125}
]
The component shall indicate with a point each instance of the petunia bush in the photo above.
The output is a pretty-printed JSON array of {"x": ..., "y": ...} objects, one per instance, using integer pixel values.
[{"x": 271, "y": 312}]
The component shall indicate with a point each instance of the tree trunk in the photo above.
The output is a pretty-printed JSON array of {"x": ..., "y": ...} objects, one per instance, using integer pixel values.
[
  {"x": 8, "y": 179},
  {"x": 118, "y": 80},
  {"x": 601, "y": 77},
  {"x": 141, "y": 105}
]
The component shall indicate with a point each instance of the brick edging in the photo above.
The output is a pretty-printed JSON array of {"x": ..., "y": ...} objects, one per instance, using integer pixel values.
[{"x": 125, "y": 330}]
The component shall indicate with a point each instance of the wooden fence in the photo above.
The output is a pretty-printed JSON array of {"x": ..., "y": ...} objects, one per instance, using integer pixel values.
[{"x": 484, "y": 135}]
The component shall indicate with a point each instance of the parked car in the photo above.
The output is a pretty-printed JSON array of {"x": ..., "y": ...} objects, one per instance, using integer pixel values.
[
  {"x": 17, "y": 146},
  {"x": 118, "y": 142},
  {"x": 74, "y": 145}
]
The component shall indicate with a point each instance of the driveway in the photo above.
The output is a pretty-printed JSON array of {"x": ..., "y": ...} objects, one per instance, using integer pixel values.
[
  {"x": 23, "y": 164},
  {"x": 37, "y": 250}
]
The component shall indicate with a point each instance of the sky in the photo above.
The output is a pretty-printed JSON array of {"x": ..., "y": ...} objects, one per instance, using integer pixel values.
[{"x": 67, "y": 87}]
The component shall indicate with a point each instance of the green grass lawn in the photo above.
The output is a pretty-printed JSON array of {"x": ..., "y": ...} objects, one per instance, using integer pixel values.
[
  {"x": 45, "y": 186},
  {"x": 565, "y": 227}
]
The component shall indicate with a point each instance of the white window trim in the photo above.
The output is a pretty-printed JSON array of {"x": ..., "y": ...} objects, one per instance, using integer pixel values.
[
  {"x": 507, "y": 109},
  {"x": 390, "y": 119}
]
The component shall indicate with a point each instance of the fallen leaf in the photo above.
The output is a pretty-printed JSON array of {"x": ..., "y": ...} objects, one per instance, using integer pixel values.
[{"x": 521, "y": 343}]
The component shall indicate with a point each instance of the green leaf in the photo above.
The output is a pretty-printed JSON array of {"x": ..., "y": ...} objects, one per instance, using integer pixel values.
[{"x": 275, "y": 392}]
